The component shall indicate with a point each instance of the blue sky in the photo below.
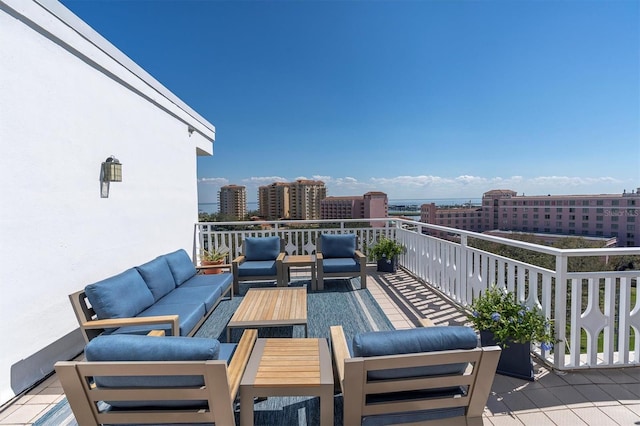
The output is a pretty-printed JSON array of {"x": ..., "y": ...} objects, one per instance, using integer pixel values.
[{"x": 419, "y": 99}]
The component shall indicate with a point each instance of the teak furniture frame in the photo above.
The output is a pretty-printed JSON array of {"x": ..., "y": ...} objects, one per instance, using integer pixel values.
[
  {"x": 352, "y": 376},
  {"x": 288, "y": 367},
  {"x": 221, "y": 385}
]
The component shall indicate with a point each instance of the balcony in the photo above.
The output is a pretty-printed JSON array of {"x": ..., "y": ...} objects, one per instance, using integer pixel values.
[
  {"x": 591, "y": 375},
  {"x": 598, "y": 307}
]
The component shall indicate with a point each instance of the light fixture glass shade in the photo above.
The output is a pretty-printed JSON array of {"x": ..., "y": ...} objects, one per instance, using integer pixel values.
[{"x": 113, "y": 172}]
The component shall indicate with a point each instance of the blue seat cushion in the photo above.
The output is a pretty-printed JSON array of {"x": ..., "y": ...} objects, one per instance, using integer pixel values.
[
  {"x": 189, "y": 314},
  {"x": 180, "y": 265},
  {"x": 223, "y": 281},
  {"x": 226, "y": 351},
  {"x": 338, "y": 264},
  {"x": 158, "y": 276},
  {"x": 208, "y": 295},
  {"x": 261, "y": 248},
  {"x": 122, "y": 296},
  {"x": 258, "y": 268},
  {"x": 416, "y": 340},
  {"x": 342, "y": 245},
  {"x": 413, "y": 417},
  {"x": 146, "y": 348}
]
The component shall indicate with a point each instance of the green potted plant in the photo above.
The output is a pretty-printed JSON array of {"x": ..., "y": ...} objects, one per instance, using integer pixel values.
[
  {"x": 385, "y": 252},
  {"x": 213, "y": 257},
  {"x": 504, "y": 321}
]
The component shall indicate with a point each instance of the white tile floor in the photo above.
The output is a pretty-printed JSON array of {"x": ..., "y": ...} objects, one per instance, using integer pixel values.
[{"x": 608, "y": 397}]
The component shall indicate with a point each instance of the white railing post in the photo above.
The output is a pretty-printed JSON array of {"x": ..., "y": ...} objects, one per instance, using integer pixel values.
[
  {"x": 623, "y": 327},
  {"x": 197, "y": 242},
  {"x": 462, "y": 289},
  {"x": 560, "y": 312}
]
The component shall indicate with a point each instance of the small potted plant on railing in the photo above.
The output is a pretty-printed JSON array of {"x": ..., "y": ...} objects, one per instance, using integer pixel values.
[
  {"x": 385, "y": 252},
  {"x": 211, "y": 258},
  {"x": 503, "y": 321}
]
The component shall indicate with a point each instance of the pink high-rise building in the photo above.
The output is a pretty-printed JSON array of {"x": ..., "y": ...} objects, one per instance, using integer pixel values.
[
  {"x": 373, "y": 204},
  {"x": 467, "y": 218},
  {"x": 598, "y": 215}
]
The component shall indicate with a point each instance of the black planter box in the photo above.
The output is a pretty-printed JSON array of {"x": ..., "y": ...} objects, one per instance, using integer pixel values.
[
  {"x": 388, "y": 265},
  {"x": 515, "y": 359}
]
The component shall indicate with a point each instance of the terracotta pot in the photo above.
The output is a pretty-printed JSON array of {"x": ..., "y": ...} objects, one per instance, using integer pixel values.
[{"x": 212, "y": 270}]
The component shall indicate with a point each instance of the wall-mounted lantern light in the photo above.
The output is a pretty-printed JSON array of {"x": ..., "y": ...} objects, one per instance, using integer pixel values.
[{"x": 111, "y": 171}]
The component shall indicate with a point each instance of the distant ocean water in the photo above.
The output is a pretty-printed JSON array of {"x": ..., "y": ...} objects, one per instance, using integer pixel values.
[{"x": 253, "y": 205}]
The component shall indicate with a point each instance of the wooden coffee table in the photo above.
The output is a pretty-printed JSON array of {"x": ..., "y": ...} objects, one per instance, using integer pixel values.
[
  {"x": 297, "y": 261},
  {"x": 271, "y": 307},
  {"x": 288, "y": 367}
]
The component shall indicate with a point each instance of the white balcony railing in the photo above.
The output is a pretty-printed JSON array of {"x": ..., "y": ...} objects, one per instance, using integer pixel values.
[{"x": 603, "y": 307}]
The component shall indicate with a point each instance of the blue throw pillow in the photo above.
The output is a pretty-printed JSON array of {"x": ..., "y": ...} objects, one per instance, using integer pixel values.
[
  {"x": 158, "y": 277},
  {"x": 261, "y": 248},
  {"x": 122, "y": 296},
  {"x": 343, "y": 245},
  {"x": 180, "y": 265}
]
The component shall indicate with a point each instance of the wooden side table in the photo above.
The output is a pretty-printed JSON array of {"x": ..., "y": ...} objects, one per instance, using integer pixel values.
[
  {"x": 298, "y": 261},
  {"x": 288, "y": 367}
]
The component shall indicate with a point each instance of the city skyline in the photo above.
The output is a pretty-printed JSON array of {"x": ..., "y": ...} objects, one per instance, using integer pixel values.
[{"x": 420, "y": 100}]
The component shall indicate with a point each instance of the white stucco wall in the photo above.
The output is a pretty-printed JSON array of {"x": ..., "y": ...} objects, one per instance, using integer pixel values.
[{"x": 65, "y": 106}]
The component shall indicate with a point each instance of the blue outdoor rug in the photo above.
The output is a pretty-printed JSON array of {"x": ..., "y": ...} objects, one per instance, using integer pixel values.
[{"x": 342, "y": 302}]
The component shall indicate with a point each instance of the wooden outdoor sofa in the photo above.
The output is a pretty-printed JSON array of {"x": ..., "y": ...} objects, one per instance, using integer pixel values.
[
  {"x": 426, "y": 375},
  {"x": 166, "y": 293},
  {"x": 171, "y": 380}
]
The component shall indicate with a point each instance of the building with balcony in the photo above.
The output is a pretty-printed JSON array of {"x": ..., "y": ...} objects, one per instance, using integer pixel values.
[
  {"x": 233, "y": 201},
  {"x": 373, "y": 204},
  {"x": 273, "y": 200},
  {"x": 599, "y": 215},
  {"x": 305, "y": 198},
  {"x": 292, "y": 200}
]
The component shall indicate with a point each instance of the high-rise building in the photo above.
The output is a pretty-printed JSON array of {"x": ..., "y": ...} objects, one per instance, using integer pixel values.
[
  {"x": 598, "y": 215},
  {"x": 233, "y": 201},
  {"x": 370, "y": 205},
  {"x": 273, "y": 201},
  {"x": 305, "y": 198},
  {"x": 291, "y": 200}
]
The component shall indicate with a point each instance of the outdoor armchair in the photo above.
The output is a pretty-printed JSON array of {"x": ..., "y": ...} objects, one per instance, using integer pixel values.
[
  {"x": 133, "y": 379},
  {"x": 337, "y": 256},
  {"x": 261, "y": 260},
  {"x": 417, "y": 376}
]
